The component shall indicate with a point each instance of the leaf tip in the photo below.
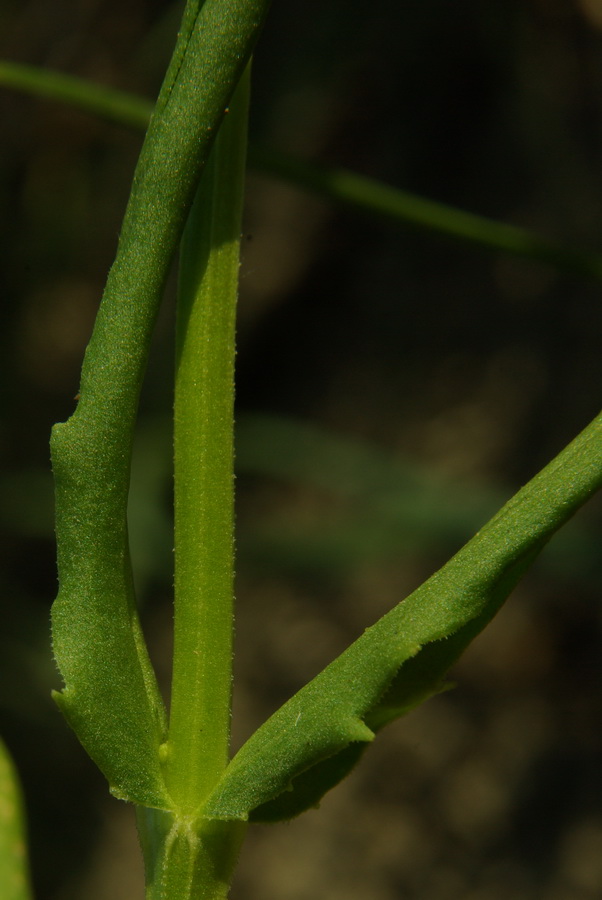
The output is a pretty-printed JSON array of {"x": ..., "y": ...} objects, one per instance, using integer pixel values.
[
  {"x": 357, "y": 730},
  {"x": 60, "y": 698}
]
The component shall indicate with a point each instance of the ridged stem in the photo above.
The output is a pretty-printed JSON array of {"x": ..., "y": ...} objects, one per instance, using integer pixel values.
[{"x": 199, "y": 730}]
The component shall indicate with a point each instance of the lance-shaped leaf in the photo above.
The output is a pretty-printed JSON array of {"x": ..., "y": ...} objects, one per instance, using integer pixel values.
[
  {"x": 311, "y": 742},
  {"x": 110, "y": 696}
]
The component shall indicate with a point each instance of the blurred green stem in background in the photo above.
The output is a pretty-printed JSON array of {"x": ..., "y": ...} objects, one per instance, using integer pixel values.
[
  {"x": 338, "y": 185},
  {"x": 14, "y": 874}
]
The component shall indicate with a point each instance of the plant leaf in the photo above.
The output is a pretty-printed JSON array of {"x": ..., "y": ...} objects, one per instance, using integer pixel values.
[
  {"x": 308, "y": 744},
  {"x": 110, "y": 696}
]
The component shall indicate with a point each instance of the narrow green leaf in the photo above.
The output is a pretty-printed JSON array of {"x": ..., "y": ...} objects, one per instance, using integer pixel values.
[
  {"x": 403, "y": 658},
  {"x": 110, "y": 696},
  {"x": 14, "y": 874}
]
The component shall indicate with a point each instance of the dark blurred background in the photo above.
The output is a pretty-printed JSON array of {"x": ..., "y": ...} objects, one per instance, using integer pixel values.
[{"x": 393, "y": 388}]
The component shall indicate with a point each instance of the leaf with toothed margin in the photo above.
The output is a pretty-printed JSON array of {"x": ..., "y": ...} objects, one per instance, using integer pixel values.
[
  {"x": 316, "y": 738},
  {"x": 110, "y": 697}
]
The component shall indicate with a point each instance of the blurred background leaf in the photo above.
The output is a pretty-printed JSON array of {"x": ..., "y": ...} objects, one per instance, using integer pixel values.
[{"x": 14, "y": 875}]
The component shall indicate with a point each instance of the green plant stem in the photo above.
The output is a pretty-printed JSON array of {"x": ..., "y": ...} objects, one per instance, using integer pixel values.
[
  {"x": 187, "y": 856},
  {"x": 337, "y": 185},
  {"x": 114, "y": 105},
  {"x": 380, "y": 199},
  {"x": 199, "y": 731}
]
